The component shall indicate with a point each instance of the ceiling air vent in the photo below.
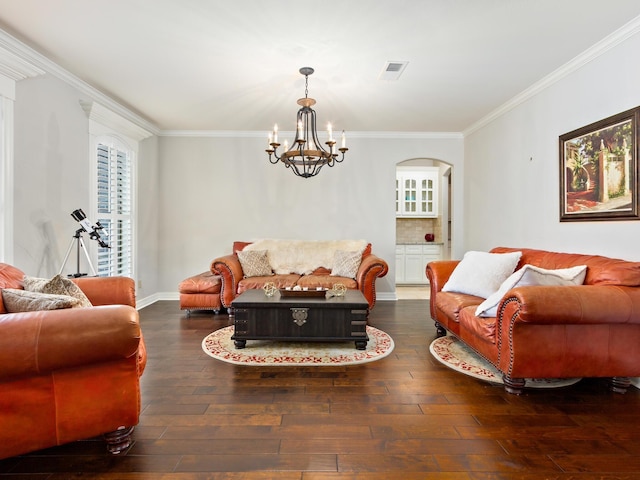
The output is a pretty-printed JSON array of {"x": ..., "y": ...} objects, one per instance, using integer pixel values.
[{"x": 393, "y": 70}]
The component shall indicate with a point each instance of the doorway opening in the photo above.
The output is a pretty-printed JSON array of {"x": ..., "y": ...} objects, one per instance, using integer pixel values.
[{"x": 423, "y": 222}]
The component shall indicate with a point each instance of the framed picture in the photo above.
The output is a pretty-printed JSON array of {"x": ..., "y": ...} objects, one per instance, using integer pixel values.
[{"x": 599, "y": 170}]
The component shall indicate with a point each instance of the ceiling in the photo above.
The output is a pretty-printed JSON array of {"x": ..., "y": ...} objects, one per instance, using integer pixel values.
[{"x": 220, "y": 65}]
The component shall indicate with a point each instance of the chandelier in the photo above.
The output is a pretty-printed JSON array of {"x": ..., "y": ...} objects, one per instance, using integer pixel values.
[{"x": 306, "y": 156}]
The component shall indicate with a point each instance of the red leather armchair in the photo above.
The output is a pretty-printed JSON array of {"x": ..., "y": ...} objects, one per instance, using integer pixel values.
[{"x": 70, "y": 374}]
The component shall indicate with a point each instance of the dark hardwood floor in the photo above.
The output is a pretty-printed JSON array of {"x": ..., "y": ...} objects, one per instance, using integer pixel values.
[{"x": 405, "y": 416}]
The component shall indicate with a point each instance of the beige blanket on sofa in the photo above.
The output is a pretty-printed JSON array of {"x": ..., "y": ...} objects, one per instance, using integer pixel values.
[{"x": 304, "y": 256}]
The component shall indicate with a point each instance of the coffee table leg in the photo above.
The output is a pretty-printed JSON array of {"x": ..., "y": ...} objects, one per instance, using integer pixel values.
[
  {"x": 361, "y": 344},
  {"x": 240, "y": 343}
]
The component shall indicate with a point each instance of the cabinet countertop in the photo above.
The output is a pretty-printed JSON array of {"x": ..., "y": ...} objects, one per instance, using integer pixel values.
[{"x": 420, "y": 243}]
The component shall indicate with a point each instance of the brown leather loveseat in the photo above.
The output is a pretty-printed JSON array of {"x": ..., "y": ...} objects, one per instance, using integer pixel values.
[
  {"x": 70, "y": 374},
  {"x": 591, "y": 329},
  {"x": 292, "y": 266}
]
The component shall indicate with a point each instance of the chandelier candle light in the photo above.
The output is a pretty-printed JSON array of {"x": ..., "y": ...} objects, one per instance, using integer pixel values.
[{"x": 306, "y": 156}]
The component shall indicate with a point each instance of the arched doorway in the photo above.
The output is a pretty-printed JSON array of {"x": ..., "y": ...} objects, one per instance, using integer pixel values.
[{"x": 423, "y": 229}]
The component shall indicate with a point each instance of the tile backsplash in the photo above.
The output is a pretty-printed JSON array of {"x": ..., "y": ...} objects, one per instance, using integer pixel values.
[{"x": 413, "y": 230}]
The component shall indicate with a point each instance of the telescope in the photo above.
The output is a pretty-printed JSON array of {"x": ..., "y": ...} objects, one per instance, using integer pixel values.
[
  {"x": 94, "y": 233},
  {"x": 93, "y": 230}
]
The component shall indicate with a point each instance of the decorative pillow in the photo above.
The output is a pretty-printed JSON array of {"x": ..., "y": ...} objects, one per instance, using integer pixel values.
[
  {"x": 58, "y": 285},
  {"x": 16, "y": 300},
  {"x": 531, "y": 275},
  {"x": 346, "y": 264},
  {"x": 481, "y": 273},
  {"x": 255, "y": 263},
  {"x": 34, "y": 284}
]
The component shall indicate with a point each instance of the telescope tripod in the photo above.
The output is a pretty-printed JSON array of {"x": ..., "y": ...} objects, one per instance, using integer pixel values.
[{"x": 77, "y": 239}]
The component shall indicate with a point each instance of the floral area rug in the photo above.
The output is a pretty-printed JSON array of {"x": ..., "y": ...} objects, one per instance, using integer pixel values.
[
  {"x": 456, "y": 355},
  {"x": 290, "y": 353}
]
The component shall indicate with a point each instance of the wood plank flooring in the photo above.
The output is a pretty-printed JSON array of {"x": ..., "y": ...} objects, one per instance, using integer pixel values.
[{"x": 405, "y": 416}]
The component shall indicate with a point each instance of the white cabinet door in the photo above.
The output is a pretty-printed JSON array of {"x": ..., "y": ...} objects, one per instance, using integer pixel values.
[
  {"x": 400, "y": 264},
  {"x": 414, "y": 269},
  {"x": 411, "y": 262},
  {"x": 417, "y": 193}
]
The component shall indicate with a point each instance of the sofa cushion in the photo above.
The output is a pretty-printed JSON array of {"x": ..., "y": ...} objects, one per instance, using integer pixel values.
[
  {"x": 479, "y": 327},
  {"x": 57, "y": 285},
  {"x": 325, "y": 281},
  {"x": 205, "y": 282},
  {"x": 255, "y": 263},
  {"x": 452, "y": 303},
  {"x": 281, "y": 281},
  {"x": 531, "y": 275},
  {"x": 481, "y": 273},
  {"x": 17, "y": 300},
  {"x": 346, "y": 264}
]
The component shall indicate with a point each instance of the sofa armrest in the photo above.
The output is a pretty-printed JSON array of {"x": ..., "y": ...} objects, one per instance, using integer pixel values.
[
  {"x": 438, "y": 272},
  {"x": 33, "y": 343},
  {"x": 371, "y": 268},
  {"x": 230, "y": 270},
  {"x": 108, "y": 290},
  {"x": 566, "y": 305}
]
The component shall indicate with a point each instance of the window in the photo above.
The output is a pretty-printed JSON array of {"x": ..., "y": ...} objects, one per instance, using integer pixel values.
[{"x": 114, "y": 192}]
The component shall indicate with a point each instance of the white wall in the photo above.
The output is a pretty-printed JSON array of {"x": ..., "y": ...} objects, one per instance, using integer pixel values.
[
  {"x": 512, "y": 164},
  {"x": 148, "y": 219},
  {"x": 51, "y": 179},
  {"x": 51, "y": 172},
  {"x": 216, "y": 190}
]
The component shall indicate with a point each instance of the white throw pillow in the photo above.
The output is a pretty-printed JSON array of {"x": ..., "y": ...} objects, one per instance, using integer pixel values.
[
  {"x": 531, "y": 275},
  {"x": 346, "y": 264},
  {"x": 481, "y": 273}
]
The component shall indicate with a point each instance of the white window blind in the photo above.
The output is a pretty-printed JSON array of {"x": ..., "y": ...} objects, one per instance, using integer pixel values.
[{"x": 114, "y": 210}]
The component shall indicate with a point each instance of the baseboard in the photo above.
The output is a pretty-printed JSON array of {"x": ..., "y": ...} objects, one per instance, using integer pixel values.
[
  {"x": 146, "y": 301},
  {"x": 386, "y": 296}
]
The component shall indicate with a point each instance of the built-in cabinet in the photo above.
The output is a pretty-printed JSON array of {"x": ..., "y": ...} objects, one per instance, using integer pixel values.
[
  {"x": 417, "y": 192},
  {"x": 411, "y": 262}
]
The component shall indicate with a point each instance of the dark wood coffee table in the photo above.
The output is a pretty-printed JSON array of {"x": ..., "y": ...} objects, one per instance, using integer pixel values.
[{"x": 336, "y": 319}]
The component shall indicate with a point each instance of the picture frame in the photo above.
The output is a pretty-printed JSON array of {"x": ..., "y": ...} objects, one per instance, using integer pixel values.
[{"x": 599, "y": 170}]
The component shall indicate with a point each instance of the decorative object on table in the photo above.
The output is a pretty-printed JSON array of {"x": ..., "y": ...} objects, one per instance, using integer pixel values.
[
  {"x": 338, "y": 290},
  {"x": 298, "y": 291},
  {"x": 306, "y": 156},
  {"x": 429, "y": 237},
  {"x": 599, "y": 170},
  {"x": 220, "y": 346},
  {"x": 269, "y": 289},
  {"x": 458, "y": 356}
]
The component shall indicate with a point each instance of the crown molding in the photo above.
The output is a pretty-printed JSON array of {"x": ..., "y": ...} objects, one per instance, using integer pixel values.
[
  {"x": 25, "y": 62},
  {"x": 12, "y": 64},
  {"x": 264, "y": 134},
  {"x": 625, "y": 32},
  {"x": 114, "y": 121}
]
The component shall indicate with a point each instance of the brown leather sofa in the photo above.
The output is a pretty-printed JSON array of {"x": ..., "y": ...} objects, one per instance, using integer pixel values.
[
  {"x": 588, "y": 330},
  {"x": 70, "y": 374},
  {"x": 234, "y": 282}
]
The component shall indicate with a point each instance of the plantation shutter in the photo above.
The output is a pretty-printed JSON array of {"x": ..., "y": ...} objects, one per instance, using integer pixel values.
[{"x": 114, "y": 210}]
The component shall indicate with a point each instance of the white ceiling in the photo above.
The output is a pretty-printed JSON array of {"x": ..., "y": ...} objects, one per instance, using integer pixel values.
[{"x": 223, "y": 65}]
